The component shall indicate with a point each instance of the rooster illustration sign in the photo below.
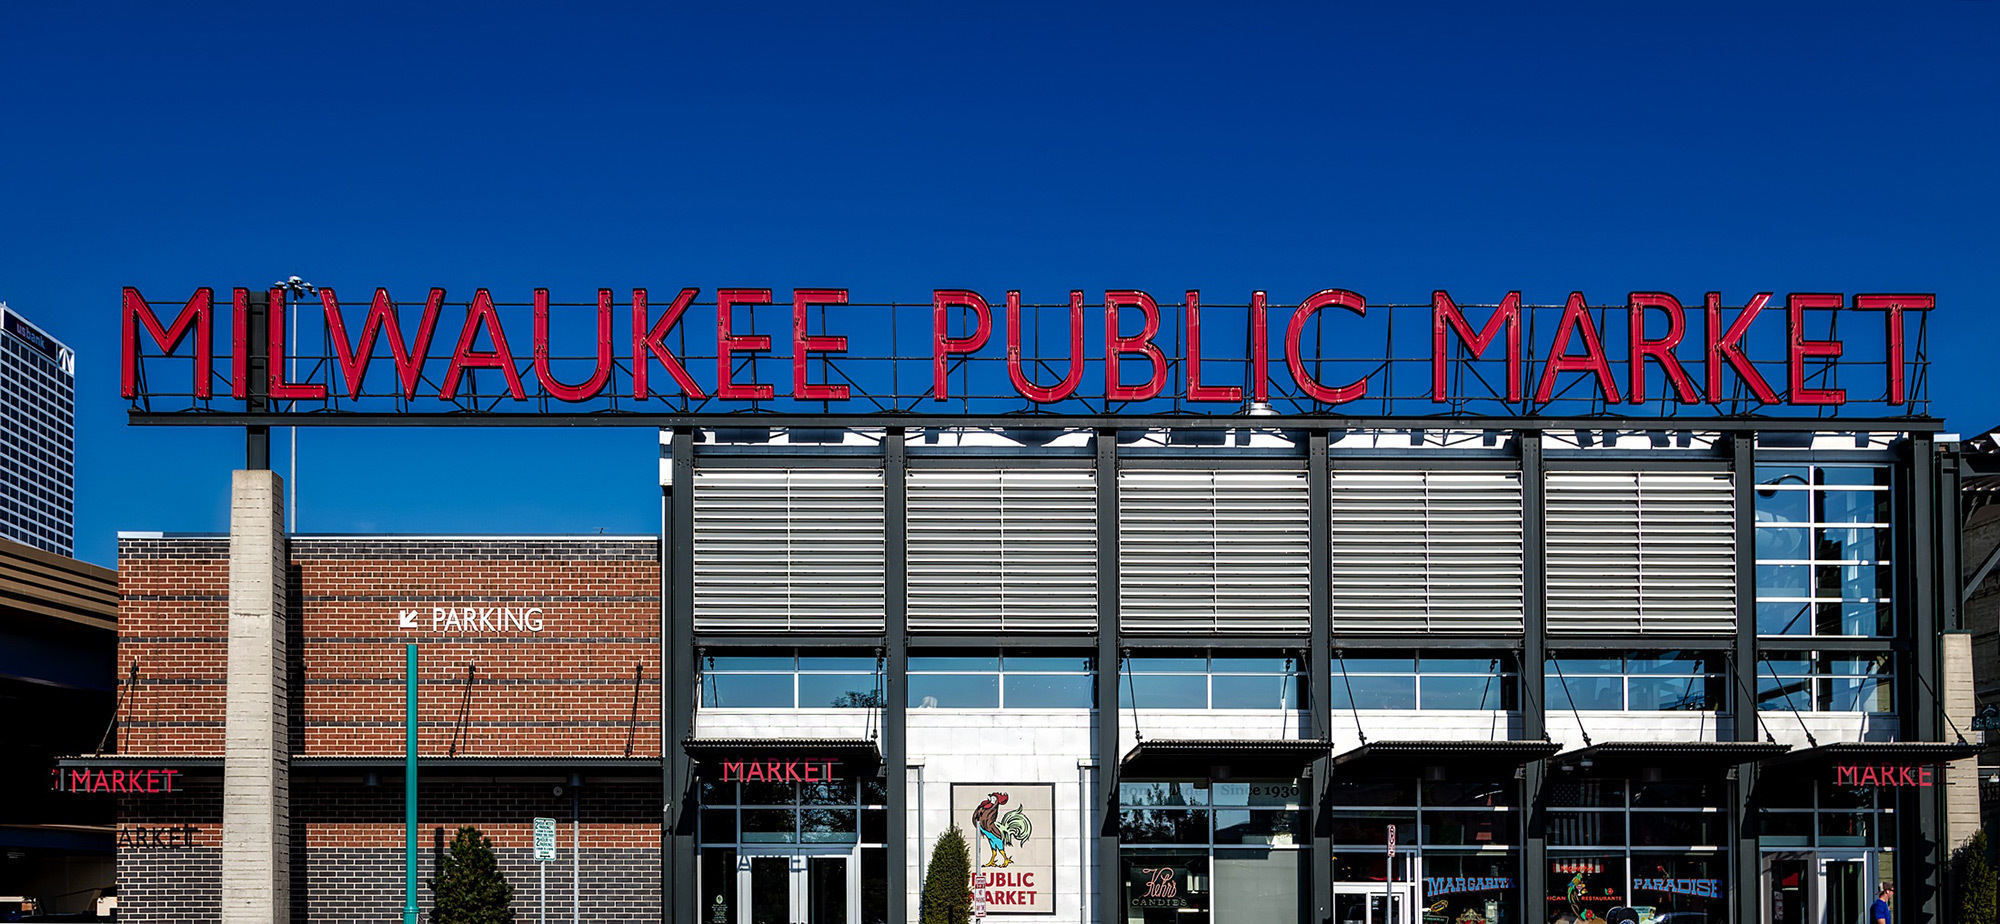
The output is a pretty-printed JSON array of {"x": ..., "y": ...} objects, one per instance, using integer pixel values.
[
  {"x": 1010, "y": 826},
  {"x": 1001, "y": 830}
]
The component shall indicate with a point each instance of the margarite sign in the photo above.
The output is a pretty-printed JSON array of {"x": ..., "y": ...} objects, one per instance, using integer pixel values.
[{"x": 820, "y": 352}]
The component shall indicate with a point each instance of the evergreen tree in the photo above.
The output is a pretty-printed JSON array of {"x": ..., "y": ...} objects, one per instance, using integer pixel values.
[
  {"x": 1972, "y": 871},
  {"x": 948, "y": 881},
  {"x": 470, "y": 888}
]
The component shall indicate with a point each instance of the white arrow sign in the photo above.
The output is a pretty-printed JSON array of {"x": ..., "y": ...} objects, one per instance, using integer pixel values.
[{"x": 406, "y": 619}]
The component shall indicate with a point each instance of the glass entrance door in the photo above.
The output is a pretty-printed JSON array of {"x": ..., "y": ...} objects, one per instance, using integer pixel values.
[
  {"x": 1372, "y": 903},
  {"x": 1818, "y": 888},
  {"x": 797, "y": 886}
]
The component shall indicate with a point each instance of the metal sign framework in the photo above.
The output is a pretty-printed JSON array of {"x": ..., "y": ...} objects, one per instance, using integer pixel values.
[{"x": 1329, "y": 360}]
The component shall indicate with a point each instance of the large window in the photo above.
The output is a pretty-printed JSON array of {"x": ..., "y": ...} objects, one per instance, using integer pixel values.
[
  {"x": 1636, "y": 681},
  {"x": 1025, "y": 681},
  {"x": 1407, "y": 680},
  {"x": 1463, "y": 832},
  {"x": 1824, "y": 815},
  {"x": 1192, "y": 848},
  {"x": 768, "y": 818},
  {"x": 786, "y": 681},
  {"x": 1824, "y": 681},
  {"x": 1656, "y": 847},
  {"x": 1824, "y": 545},
  {"x": 1204, "y": 682}
]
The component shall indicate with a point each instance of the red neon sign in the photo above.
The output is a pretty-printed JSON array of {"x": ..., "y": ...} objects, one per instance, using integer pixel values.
[
  {"x": 777, "y": 771},
  {"x": 1605, "y": 355},
  {"x": 124, "y": 782},
  {"x": 1881, "y": 775}
]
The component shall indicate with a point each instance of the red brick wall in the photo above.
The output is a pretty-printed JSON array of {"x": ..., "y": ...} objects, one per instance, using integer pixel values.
[{"x": 567, "y": 690}]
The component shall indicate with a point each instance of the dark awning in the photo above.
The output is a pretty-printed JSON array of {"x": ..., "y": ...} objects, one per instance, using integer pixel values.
[
  {"x": 1224, "y": 757},
  {"x": 1415, "y": 755},
  {"x": 862, "y": 753},
  {"x": 344, "y": 765},
  {"x": 1879, "y": 753},
  {"x": 1688, "y": 756}
]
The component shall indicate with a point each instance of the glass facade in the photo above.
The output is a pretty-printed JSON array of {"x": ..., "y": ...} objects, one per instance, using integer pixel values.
[
  {"x": 1637, "y": 681},
  {"x": 1010, "y": 681},
  {"x": 1194, "y": 851},
  {"x": 769, "y": 850},
  {"x": 1824, "y": 548},
  {"x": 787, "y": 681},
  {"x": 1210, "y": 682},
  {"x": 1414, "y": 680},
  {"x": 37, "y": 437},
  {"x": 1458, "y": 843},
  {"x": 1656, "y": 847}
]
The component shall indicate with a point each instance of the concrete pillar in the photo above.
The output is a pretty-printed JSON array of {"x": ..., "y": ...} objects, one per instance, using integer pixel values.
[
  {"x": 1961, "y": 777},
  {"x": 256, "y": 807}
]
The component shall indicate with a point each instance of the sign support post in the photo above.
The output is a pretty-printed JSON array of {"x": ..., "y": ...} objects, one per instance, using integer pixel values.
[
  {"x": 545, "y": 850},
  {"x": 410, "y": 783}
]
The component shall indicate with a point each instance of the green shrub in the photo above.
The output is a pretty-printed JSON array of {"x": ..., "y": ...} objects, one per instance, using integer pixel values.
[
  {"x": 1973, "y": 876},
  {"x": 947, "y": 895},
  {"x": 470, "y": 888}
]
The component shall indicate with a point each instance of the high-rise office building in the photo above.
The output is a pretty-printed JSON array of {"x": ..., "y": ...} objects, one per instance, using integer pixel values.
[{"x": 37, "y": 436}]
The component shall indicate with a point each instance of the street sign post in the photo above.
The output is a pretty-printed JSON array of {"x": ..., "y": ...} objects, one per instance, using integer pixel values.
[
  {"x": 1389, "y": 875},
  {"x": 545, "y": 850}
]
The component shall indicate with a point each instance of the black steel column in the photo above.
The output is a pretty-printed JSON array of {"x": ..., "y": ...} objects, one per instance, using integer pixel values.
[
  {"x": 1920, "y": 867},
  {"x": 680, "y": 898},
  {"x": 257, "y": 344},
  {"x": 1319, "y": 668},
  {"x": 1110, "y": 743},
  {"x": 896, "y": 642},
  {"x": 1745, "y": 863},
  {"x": 1534, "y": 657}
]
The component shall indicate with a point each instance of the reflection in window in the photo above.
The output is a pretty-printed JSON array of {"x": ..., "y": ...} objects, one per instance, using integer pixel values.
[
  {"x": 1636, "y": 681},
  {"x": 787, "y": 681},
  {"x": 1219, "y": 682},
  {"x": 1823, "y": 545},
  {"x": 1025, "y": 681},
  {"x": 1406, "y": 680},
  {"x": 1848, "y": 681}
]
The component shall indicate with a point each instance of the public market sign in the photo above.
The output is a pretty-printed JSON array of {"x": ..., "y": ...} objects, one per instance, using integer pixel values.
[
  {"x": 124, "y": 782},
  {"x": 1881, "y": 775},
  {"x": 778, "y": 771},
  {"x": 820, "y": 353}
]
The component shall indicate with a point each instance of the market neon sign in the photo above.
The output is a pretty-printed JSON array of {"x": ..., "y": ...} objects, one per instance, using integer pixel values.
[
  {"x": 1881, "y": 775},
  {"x": 128, "y": 782},
  {"x": 1653, "y": 348},
  {"x": 777, "y": 771}
]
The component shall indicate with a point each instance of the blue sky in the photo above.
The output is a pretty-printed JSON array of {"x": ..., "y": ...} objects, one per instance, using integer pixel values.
[{"x": 1389, "y": 148}]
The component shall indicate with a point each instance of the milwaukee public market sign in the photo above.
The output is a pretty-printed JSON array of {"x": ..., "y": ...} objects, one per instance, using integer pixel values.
[{"x": 961, "y": 353}]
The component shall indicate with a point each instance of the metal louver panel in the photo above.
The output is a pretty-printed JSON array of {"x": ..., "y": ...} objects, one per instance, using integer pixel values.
[
  {"x": 1205, "y": 551},
  {"x": 1420, "y": 551},
  {"x": 1000, "y": 549},
  {"x": 788, "y": 549},
  {"x": 1651, "y": 552}
]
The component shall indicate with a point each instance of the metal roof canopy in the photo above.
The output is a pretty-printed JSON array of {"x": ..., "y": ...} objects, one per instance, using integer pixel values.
[
  {"x": 1896, "y": 753},
  {"x": 1700, "y": 755},
  {"x": 863, "y": 751},
  {"x": 323, "y": 766},
  {"x": 1416, "y": 754},
  {"x": 1224, "y": 757}
]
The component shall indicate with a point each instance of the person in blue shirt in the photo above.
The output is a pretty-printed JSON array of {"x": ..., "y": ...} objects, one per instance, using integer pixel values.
[{"x": 1880, "y": 913}]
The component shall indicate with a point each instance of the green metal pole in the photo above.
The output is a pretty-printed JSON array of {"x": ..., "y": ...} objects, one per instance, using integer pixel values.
[{"x": 410, "y": 784}]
